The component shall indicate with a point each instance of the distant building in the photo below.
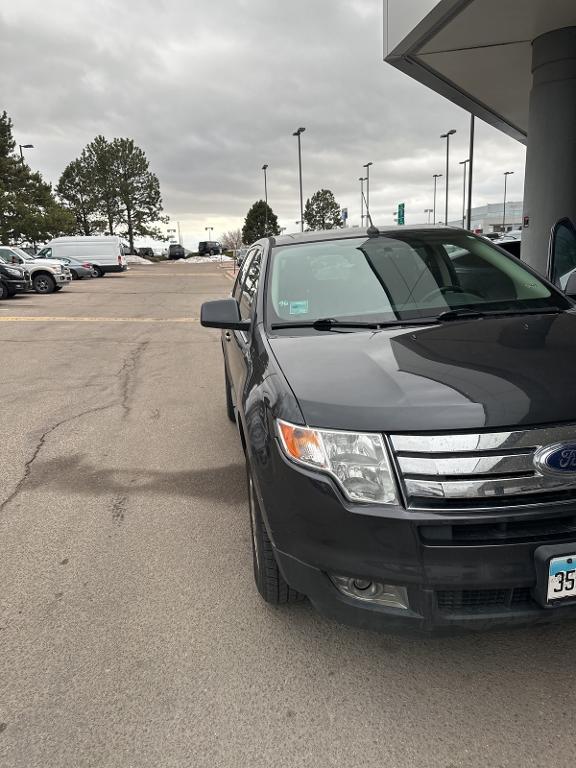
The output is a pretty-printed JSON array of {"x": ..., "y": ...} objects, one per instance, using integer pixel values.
[{"x": 488, "y": 218}]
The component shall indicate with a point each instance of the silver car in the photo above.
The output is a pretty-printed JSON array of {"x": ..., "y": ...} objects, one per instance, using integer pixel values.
[{"x": 78, "y": 269}]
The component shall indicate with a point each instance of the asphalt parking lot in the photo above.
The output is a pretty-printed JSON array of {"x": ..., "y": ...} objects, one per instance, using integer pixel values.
[{"x": 131, "y": 633}]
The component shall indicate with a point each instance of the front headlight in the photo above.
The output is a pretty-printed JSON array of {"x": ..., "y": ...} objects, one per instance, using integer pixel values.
[
  {"x": 14, "y": 272},
  {"x": 357, "y": 461}
]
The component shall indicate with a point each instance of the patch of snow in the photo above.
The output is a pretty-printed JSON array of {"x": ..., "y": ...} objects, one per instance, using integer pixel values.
[
  {"x": 137, "y": 260},
  {"x": 204, "y": 260}
]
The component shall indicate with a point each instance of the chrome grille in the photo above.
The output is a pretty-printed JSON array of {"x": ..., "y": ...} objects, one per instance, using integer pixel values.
[{"x": 487, "y": 466}]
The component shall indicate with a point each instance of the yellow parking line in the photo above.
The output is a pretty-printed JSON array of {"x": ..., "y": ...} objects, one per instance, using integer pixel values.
[{"x": 25, "y": 319}]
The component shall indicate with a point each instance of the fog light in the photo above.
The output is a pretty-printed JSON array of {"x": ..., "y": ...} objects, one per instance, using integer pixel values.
[{"x": 371, "y": 591}]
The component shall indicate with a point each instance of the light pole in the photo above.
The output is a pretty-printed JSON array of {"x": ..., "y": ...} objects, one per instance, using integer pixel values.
[
  {"x": 447, "y": 137},
  {"x": 428, "y": 211},
  {"x": 362, "y": 179},
  {"x": 464, "y": 163},
  {"x": 265, "y": 168},
  {"x": 209, "y": 229},
  {"x": 24, "y": 146},
  {"x": 435, "y": 177},
  {"x": 298, "y": 133},
  {"x": 367, "y": 166},
  {"x": 506, "y": 174}
]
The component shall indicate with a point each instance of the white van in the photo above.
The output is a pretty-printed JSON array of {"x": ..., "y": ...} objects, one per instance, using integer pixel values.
[{"x": 106, "y": 254}]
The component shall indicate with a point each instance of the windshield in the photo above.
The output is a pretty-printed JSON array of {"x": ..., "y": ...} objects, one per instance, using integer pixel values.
[{"x": 399, "y": 276}]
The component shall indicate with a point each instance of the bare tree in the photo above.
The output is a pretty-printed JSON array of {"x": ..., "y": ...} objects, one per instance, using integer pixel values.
[{"x": 232, "y": 240}]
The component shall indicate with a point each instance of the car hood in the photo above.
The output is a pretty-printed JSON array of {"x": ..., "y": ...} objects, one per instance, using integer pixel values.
[
  {"x": 45, "y": 262},
  {"x": 492, "y": 372}
]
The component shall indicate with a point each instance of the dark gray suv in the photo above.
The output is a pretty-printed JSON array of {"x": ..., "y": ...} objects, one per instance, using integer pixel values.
[{"x": 176, "y": 251}]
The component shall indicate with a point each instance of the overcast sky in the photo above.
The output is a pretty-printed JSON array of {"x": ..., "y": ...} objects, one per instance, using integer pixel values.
[{"x": 212, "y": 89}]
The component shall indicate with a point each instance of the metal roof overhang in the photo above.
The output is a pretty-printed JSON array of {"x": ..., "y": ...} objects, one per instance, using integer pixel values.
[{"x": 478, "y": 54}]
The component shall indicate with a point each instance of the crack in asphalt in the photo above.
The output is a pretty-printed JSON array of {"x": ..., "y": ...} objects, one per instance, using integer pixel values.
[{"x": 126, "y": 375}]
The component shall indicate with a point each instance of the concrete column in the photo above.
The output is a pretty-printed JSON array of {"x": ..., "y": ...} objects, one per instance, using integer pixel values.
[{"x": 550, "y": 183}]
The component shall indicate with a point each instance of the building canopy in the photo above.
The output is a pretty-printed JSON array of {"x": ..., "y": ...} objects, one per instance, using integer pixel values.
[{"x": 478, "y": 54}]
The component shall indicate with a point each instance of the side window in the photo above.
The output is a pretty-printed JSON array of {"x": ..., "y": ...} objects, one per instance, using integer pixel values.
[
  {"x": 249, "y": 285},
  {"x": 5, "y": 255},
  {"x": 45, "y": 253},
  {"x": 237, "y": 291},
  {"x": 562, "y": 253}
]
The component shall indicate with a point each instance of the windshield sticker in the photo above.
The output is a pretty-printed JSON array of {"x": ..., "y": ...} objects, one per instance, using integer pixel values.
[{"x": 299, "y": 307}]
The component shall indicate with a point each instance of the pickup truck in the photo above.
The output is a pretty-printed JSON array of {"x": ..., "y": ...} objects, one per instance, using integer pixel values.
[{"x": 46, "y": 276}]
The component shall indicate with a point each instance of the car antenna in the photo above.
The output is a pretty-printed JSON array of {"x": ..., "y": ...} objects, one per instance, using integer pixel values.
[{"x": 372, "y": 231}]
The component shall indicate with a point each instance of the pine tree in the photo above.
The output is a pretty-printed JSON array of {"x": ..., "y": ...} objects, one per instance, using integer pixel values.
[
  {"x": 29, "y": 211},
  {"x": 260, "y": 221},
  {"x": 322, "y": 211},
  {"x": 75, "y": 191},
  {"x": 139, "y": 191}
]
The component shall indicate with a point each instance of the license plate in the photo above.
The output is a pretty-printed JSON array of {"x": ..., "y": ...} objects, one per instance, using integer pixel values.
[{"x": 562, "y": 577}]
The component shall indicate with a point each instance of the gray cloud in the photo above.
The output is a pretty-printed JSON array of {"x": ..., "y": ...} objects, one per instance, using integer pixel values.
[{"x": 212, "y": 90}]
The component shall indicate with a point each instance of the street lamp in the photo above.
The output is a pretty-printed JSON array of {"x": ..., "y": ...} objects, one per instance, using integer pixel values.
[
  {"x": 265, "y": 168},
  {"x": 506, "y": 174},
  {"x": 298, "y": 133},
  {"x": 435, "y": 177},
  {"x": 464, "y": 163},
  {"x": 362, "y": 179},
  {"x": 209, "y": 229},
  {"x": 447, "y": 137},
  {"x": 428, "y": 211},
  {"x": 367, "y": 166},
  {"x": 24, "y": 146}
]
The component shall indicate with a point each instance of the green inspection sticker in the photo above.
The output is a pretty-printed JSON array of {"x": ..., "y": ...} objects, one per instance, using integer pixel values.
[{"x": 298, "y": 307}]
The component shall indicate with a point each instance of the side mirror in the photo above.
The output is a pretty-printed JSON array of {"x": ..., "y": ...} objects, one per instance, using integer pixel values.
[{"x": 224, "y": 313}]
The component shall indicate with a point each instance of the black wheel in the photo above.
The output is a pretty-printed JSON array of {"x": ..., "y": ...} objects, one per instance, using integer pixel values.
[
  {"x": 229, "y": 403},
  {"x": 99, "y": 271},
  {"x": 44, "y": 284},
  {"x": 269, "y": 580},
  {"x": 74, "y": 275},
  {"x": 4, "y": 292},
  {"x": 11, "y": 292}
]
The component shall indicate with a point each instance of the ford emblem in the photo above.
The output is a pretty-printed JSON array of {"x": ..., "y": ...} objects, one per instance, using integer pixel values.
[{"x": 557, "y": 459}]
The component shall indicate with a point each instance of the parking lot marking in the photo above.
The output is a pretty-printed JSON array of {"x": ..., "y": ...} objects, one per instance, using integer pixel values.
[{"x": 26, "y": 319}]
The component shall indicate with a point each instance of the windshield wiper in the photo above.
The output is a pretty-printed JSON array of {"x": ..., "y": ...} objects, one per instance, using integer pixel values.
[
  {"x": 459, "y": 314},
  {"x": 474, "y": 314},
  {"x": 326, "y": 323}
]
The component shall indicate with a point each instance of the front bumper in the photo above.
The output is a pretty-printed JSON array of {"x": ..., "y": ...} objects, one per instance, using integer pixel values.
[
  {"x": 19, "y": 286},
  {"x": 63, "y": 279},
  {"x": 473, "y": 570}
]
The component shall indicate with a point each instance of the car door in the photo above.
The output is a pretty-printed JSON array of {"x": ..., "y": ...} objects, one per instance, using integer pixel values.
[{"x": 237, "y": 343}]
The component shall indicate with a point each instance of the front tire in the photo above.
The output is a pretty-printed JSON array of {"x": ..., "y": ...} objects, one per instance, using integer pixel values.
[
  {"x": 4, "y": 292},
  {"x": 99, "y": 271},
  {"x": 269, "y": 581},
  {"x": 44, "y": 284}
]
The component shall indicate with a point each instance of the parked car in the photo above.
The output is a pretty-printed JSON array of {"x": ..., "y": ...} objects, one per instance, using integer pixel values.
[
  {"x": 78, "y": 270},
  {"x": 13, "y": 280},
  {"x": 106, "y": 254},
  {"x": 510, "y": 242},
  {"x": 406, "y": 406},
  {"x": 47, "y": 276},
  {"x": 176, "y": 251},
  {"x": 209, "y": 248}
]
